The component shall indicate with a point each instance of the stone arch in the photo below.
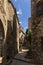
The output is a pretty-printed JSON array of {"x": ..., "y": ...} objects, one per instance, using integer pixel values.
[{"x": 4, "y": 22}]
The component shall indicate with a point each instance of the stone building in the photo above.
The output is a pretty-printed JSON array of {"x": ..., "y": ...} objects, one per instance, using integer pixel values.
[
  {"x": 21, "y": 35},
  {"x": 17, "y": 31},
  {"x": 8, "y": 31},
  {"x": 29, "y": 23},
  {"x": 37, "y": 28}
]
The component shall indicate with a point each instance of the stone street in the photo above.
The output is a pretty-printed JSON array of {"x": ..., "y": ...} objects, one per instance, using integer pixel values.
[
  {"x": 18, "y": 62},
  {"x": 20, "y": 59}
]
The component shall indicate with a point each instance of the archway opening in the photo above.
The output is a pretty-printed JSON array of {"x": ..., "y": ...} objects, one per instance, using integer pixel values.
[{"x": 1, "y": 38}]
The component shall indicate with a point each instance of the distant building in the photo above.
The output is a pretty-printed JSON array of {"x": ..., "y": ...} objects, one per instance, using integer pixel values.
[
  {"x": 29, "y": 23},
  {"x": 21, "y": 35}
]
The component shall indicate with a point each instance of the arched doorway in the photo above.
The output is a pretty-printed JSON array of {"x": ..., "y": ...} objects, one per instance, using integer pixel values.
[
  {"x": 1, "y": 38},
  {"x": 9, "y": 42}
]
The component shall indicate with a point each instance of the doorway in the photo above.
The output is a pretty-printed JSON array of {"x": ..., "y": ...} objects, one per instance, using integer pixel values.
[
  {"x": 42, "y": 43},
  {"x": 1, "y": 38}
]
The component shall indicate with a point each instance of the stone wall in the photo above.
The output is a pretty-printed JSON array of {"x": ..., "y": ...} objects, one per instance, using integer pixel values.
[
  {"x": 29, "y": 23},
  {"x": 8, "y": 17},
  {"x": 37, "y": 29}
]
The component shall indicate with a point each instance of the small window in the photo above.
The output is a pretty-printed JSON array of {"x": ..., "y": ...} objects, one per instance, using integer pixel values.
[{"x": 39, "y": 9}]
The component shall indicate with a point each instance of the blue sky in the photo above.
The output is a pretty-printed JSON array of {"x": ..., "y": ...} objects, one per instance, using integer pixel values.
[{"x": 23, "y": 8}]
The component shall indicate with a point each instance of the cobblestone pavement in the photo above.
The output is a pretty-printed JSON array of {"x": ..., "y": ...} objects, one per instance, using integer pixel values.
[
  {"x": 18, "y": 62},
  {"x": 20, "y": 59}
]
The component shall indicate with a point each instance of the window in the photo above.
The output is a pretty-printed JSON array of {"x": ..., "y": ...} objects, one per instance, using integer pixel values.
[
  {"x": 39, "y": 9},
  {"x": 42, "y": 43}
]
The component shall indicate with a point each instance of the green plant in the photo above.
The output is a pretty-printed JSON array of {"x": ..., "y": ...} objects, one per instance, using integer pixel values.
[
  {"x": 20, "y": 47},
  {"x": 28, "y": 35}
]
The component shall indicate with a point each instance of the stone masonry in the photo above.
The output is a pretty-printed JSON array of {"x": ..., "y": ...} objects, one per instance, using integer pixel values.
[
  {"x": 37, "y": 27},
  {"x": 29, "y": 23},
  {"x": 8, "y": 31}
]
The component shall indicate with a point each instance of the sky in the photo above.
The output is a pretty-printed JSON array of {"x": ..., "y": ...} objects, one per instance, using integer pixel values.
[{"x": 23, "y": 8}]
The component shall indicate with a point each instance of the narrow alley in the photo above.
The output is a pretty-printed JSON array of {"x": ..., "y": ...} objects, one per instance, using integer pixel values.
[
  {"x": 18, "y": 62},
  {"x": 21, "y": 32},
  {"x": 20, "y": 59}
]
